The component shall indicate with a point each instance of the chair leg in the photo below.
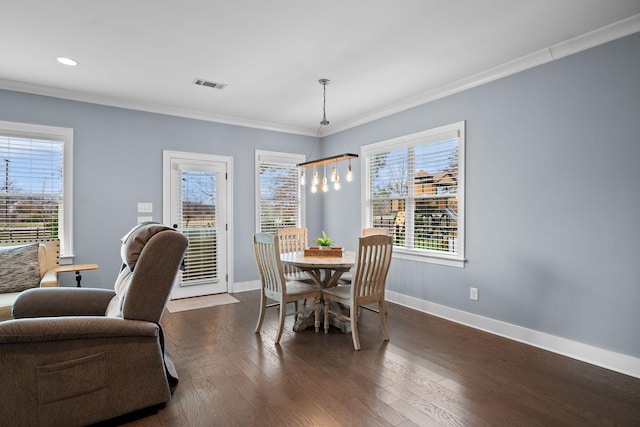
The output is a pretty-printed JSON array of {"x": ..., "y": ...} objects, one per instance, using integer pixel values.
[
  {"x": 316, "y": 310},
  {"x": 326, "y": 315},
  {"x": 295, "y": 308},
  {"x": 354, "y": 327},
  {"x": 263, "y": 306},
  {"x": 283, "y": 313},
  {"x": 382, "y": 307}
]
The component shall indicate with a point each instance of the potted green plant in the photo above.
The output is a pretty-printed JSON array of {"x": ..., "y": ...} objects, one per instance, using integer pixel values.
[{"x": 324, "y": 242}]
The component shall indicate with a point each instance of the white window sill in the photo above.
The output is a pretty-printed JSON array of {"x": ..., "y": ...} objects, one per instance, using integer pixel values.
[{"x": 410, "y": 255}]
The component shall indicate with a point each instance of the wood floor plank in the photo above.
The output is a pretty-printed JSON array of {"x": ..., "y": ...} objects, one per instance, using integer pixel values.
[{"x": 432, "y": 373}]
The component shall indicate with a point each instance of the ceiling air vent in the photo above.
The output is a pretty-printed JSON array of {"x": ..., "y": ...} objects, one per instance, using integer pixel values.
[{"x": 207, "y": 83}]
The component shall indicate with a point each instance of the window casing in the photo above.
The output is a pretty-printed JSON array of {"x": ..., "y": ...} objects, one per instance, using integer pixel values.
[
  {"x": 279, "y": 198},
  {"x": 414, "y": 187},
  {"x": 36, "y": 185}
]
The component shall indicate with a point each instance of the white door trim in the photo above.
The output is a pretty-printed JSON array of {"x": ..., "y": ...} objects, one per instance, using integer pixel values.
[{"x": 167, "y": 157}]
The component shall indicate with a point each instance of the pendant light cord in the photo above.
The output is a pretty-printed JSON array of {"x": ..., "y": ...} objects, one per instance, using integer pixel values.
[{"x": 324, "y": 122}]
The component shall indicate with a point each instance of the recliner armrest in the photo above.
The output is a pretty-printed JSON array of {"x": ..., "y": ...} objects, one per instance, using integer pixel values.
[
  {"x": 73, "y": 328},
  {"x": 53, "y": 302}
]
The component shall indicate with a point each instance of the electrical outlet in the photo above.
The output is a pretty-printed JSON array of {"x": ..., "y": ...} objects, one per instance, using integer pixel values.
[{"x": 473, "y": 294}]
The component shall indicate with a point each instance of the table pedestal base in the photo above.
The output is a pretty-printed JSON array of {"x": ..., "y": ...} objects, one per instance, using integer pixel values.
[
  {"x": 308, "y": 320},
  {"x": 345, "y": 327},
  {"x": 325, "y": 273}
]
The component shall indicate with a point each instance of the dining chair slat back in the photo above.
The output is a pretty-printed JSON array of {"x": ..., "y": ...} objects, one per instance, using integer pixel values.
[
  {"x": 371, "y": 269},
  {"x": 293, "y": 240},
  {"x": 274, "y": 285},
  {"x": 269, "y": 264},
  {"x": 347, "y": 277}
]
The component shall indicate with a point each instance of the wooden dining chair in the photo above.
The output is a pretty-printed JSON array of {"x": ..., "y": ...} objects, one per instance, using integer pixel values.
[
  {"x": 293, "y": 239},
  {"x": 347, "y": 277},
  {"x": 372, "y": 266},
  {"x": 276, "y": 287}
]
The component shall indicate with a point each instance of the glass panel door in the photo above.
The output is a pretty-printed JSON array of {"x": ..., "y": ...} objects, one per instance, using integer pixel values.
[{"x": 198, "y": 209}]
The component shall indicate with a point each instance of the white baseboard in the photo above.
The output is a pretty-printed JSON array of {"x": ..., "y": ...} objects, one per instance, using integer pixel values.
[{"x": 618, "y": 362}]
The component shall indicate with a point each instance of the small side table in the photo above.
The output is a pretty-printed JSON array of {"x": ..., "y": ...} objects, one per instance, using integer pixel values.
[{"x": 77, "y": 268}]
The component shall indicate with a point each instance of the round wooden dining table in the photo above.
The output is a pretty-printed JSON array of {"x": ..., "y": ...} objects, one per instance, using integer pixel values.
[{"x": 325, "y": 272}]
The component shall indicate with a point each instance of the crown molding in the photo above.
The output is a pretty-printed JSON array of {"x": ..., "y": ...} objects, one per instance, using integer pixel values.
[
  {"x": 623, "y": 28},
  {"x": 110, "y": 101},
  {"x": 551, "y": 53},
  {"x": 617, "y": 30}
]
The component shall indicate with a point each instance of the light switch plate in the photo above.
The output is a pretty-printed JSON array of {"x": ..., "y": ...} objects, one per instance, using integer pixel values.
[
  {"x": 142, "y": 219},
  {"x": 145, "y": 207}
]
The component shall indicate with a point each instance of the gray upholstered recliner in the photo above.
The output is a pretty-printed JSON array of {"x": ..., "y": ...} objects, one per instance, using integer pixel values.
[{"x": 76, "y": 356}]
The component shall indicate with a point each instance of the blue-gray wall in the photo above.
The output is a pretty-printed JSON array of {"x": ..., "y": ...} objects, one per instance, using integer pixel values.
[
  {"x": 552, "y": 198},
  {"x": 118, "y": 163},
  {"x": 553, "y": 190}
]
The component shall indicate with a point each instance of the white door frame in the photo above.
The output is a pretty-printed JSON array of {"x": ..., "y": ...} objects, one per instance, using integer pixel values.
[{"x": 167, "y": 157}]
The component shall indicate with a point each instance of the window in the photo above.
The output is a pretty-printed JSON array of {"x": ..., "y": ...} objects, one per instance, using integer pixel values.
[
  {"x": 414, "y": 187},
  {"x": 279, "y": 199},
  {"x": 35, "y": 189}
]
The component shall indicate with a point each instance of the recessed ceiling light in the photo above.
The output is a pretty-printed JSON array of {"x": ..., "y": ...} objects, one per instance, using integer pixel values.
[{"x": 67, "y": 61}]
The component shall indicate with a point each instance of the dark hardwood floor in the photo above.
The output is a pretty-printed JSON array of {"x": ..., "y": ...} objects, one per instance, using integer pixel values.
[{"x": 432, "y": 372}]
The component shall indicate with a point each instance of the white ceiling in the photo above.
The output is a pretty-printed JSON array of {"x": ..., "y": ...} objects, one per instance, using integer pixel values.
[{"x": 381, "y": 56}]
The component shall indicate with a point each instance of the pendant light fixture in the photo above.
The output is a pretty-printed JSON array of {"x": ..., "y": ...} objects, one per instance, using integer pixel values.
[{"x": 335, "y": 177}]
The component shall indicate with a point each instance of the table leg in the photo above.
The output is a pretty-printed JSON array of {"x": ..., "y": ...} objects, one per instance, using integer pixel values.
[
  {"x": 331, "y": 278},
  {"x": 78, "y": 279},
  {"x": 316, "y": 276}
]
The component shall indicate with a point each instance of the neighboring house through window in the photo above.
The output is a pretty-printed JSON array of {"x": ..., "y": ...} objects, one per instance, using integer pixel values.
[
  {"x": 279, "y": 199},
  {"x": 414, "y": 188},
  {"x": 35, "y": 186}
]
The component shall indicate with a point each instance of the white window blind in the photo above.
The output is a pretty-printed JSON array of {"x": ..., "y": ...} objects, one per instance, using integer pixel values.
[
  {"x": 198, "y": 220},
  {"x": 31, "y": 188},
  {"x": 279, "y": 199},
  {"x": 414, "y": 189}
]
